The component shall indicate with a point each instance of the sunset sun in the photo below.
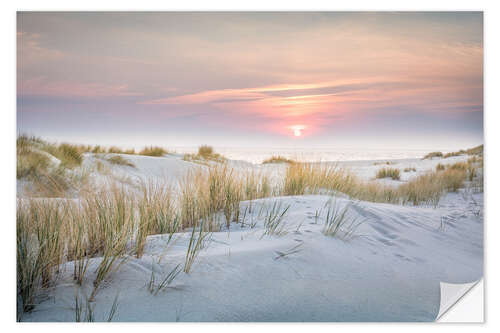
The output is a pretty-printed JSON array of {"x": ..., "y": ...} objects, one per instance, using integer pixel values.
[{"x": 297, "y": 129}]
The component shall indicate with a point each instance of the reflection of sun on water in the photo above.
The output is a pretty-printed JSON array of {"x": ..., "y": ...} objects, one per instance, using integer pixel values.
[{"x": 297, "y": 129}]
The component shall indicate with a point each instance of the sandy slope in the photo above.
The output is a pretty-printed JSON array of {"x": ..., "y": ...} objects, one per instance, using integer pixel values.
[
  {"x": 172, "y": 168},
  {"x": 389, "y": 272}
]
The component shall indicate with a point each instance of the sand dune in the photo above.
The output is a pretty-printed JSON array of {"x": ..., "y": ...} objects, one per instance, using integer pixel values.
[{"x": 389, "y": 270}]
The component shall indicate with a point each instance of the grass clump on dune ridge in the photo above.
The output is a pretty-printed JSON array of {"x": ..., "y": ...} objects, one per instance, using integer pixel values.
[
  {"x": 32, "y": 160},
  {"x": 278, "y": 159},
  {"x": 429, "y": 187},
  {"x": 471, "y": 151},
  {"x": 69, "y": 155},
  {"x": 433, "y": 155},
  {"x": 316, "y": 178},
  {"x": 114, "y": 150},
  {"x": 118, "y": 160},
  {"x": 475, "y": 151},
  {"x": 205, "y": 153},
  {"x": 453, "y": 154},
  {"x": 153, "y": 151},
  {"x": 48, "y": 167},
  {"x": 386, "y": 162},
  {"x": 205, "y": 193},
  {"x": 31, "y": 164},
  {"x": 215, "y": 193},
  {"x": 98, "y": 150},
  {"x": 301, "y": 178},
  {"x": 389, "y": 172}
]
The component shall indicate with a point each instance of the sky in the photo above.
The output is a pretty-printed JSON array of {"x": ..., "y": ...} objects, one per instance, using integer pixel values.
[{"x": 252, "y": 79}]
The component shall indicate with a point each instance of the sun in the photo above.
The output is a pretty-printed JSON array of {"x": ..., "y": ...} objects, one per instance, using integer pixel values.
[{"x": 297, "y": 129}]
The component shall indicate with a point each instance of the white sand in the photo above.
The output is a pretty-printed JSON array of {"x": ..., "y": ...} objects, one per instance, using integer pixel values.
[{"x": 390, "y": 272}]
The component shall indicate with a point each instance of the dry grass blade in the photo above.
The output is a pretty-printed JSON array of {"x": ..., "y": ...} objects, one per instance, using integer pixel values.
[
  {"x": 196, "y": 243},
  {"x": 165, "y": 283},
  {"x": 273, "y": 222},
  {"x": 293, "y": 250},
  {"x": 338, "y": 222},
  {"x": 389, "y": 172},
  {"x": 85, "y": 310}
]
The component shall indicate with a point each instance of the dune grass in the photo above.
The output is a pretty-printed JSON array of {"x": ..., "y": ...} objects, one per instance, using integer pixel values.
[
  {"x": 156, "y": 214},
  {"x": 109, "y": 230},
  {"x": 453, "y": 154},
  {"x": 274, "y": 219},
  {"x": 98, "y": 150},
  {"x": 385, "y": 162},
  {"x": 118, "y": 160},
  {"x": 153, "y": 151},
  {"x": 49, "y": 167},
  {"x": 338, "y": 222},
  {"x": 69, "y": 155},
  {"x": 196, "y": 244},
  {"x": 475, "y": 150},
  {"x": 155, "y": 288},
  {"x": 393, "y": 173},
  {"x": 429, "y": 187},
  {"x": 277, "y": 159},
  {"x": 39, "y": 247},
  {"x": 205, "y": 151},
  {"x": 478, "y": 150},
  {"x": 410, "y": 169},
  {"x": 112, "y": 224},
  {"x": 51, "y": 232},
  {"x": 205, "y": 154},
  {"x": 33, "y": 156},
  {"x": 216, "y": 193},
  {"x": 313, "y": 178},
  {"x": 475, "y": 159},
  {"x": 77, "y": 245},
  {"x": 114, "y": 150},
  {"x": 31, "y": 164},
  {"x": 85, "y": 312},
  {"x": 294, "y": 249},
  {"x": 433, "y": 155}
]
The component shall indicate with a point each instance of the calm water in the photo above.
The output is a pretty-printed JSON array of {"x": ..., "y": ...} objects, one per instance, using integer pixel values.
[{"x": 257, "y": 155}]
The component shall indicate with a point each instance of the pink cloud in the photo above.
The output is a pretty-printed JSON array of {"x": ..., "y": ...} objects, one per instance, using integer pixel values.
[{"x": 39, "y": 86}]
